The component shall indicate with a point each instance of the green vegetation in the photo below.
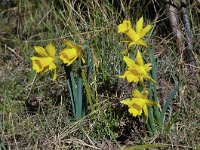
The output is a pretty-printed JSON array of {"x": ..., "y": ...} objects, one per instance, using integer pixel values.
[{"x": 39, "y": 113}]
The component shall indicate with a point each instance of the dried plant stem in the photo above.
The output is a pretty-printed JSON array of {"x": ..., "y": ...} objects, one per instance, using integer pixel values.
[
  {"x": 188, "y": 32},
  {"x": 173, "y": 16}
]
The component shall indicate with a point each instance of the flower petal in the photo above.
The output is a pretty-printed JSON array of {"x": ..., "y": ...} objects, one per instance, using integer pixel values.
[
  {"x": 52, "y": 66},
  {"x": 133, "y": 36},
  {"x": 41, "y": 51},
  {"x": 127, "y": 102},
  {"x": 141, "y": 42},
  {"x": 145, "y": 112},
  {"x": 136, "y": 94},
  {"x": 122, "y": 76},
  {"x": 51, "y": 50},
  {"x": 132, "y": 78},
  {"x": 131, "y": 75},
  {"x": 145, "y": 94},
  {"x": 37, "y": 66},
  {"x": 141, "y": 80},
  {"x": 147, "y": 67},
  {"x": 68, "y": 55},
  {"x": 145, "y": 31},
  {"x": 40, "y": 63},
  {"x": 129, "y": 62},
  {"x": 139, "y": 25},
  {"x": 124, "y": 52},
  {"x": 151, "y": 103},
  {"x": 135, "y": 112},
  {"x": 71, "y": 61},
  {"x": 54, "y": 75},
  {"x": 124, "y": 27},
  {"x": 131, "y": 44},
  {"x": 69, "y": 43},
  {"x": 139, "y": 59},
  {"x": 139, "y": 101},
  {"x": 149, "y": 78}
]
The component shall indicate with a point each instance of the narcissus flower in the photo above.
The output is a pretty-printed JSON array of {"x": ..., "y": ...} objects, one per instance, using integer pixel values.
[
  {"x": 71, "y": 53},
  {"x": 135, "y": 37},
  {"x": 139, "y": 103},
  {"x": 45, "y": 60},
  {"x": 137, "y": 70}
]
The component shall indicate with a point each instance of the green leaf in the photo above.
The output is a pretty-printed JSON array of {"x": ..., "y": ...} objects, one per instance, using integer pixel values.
[
  {"x": 71, "y": 85},
  {"x": 168, "y": 102},
  {"x": 154, "y": 76},
  {"x": 87, "y": 90},
  {"x": 150, "y": 111},
  {"x": 79, "y": 89}
]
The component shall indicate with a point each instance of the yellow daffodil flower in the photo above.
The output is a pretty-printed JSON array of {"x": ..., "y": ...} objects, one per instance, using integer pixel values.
[
  {"x": 71, "y": 53},
  {"x": 135, "y": 37},
  {"x": 45, "y": 61},
  {"x": 137, "y": 70},
  {"x": 139, "y": 103}
]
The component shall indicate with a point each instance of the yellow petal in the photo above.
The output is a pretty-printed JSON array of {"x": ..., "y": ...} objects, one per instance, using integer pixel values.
[
  {"x": 141, "y": 42},
  {"x": 124, "y": 52},
  {"x": 126, "y": 101},
  {"x": 51, "y": 50},
  {"x": 149, "y": 78},
  {"x": 131, "y": 44},
  {"x": 147, "y": 67},
  {"x": 132, "y": 78},
  {"x": 134, "y": 111},
  {"x": 40, "y": 63},
  {"x": 69, "y": 43},
  {"x": 145, "y": 112},
  {"x": 54, "y": 75},
  {"x": 122, "y": 76},
  {"x": 139, "y": 101},
  {"x": 139, "y": 25},
  {"x": 124, "y": 27},
  {"x": 68, "y": 55},
  {"x": 52, "y": 66},
  {"x": 145, "y": 31},
  {"x": 71, "y": 53},
  {"x": 41, "y": 51},
  {"x": 141, "y": 80},
  {"x": 129, "y": 62},
  {"x": 150, "y": 103},
  {"x": 126, "y": 41},
  {"x": 71, "y": 61},
  {"x": 37, "y": 66},
  {"x": 145, "y": 94},
  {"x": 136, "y": 94},
  {"x": 133, "y": 36},
  {"x": 139, "y": 59}
]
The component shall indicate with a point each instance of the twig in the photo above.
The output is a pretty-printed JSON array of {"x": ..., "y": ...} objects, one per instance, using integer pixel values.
[
  {"x": 173, "y": 16},
  {"x": 13, "y": 51},
  {"x": 187, "y": 26}
]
